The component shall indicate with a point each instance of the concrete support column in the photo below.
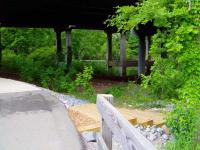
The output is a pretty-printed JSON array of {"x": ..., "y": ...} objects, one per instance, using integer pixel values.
[
  {"x": 68, "y": 54},
  {"x": 141, "y": 55},
  {"x": 58, "y": 46},
  {"x": 147, "y": 47},
  {"x": 109, "y": 49},
  {"x": 123, "y": 55},
  {"x": 148, "y": 57},
  {"x": 0, "y": 48}
]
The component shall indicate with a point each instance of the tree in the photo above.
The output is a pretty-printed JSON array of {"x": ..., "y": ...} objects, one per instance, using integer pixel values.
[
  {"x": 177, "y": 76},
  {"x": 26, "y": 40}
]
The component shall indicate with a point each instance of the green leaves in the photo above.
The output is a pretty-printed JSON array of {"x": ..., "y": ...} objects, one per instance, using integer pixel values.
[
  {"x": 176, "y": 76},
  {"x": 25, "y": 40},
  {"x": 82, "y": 79}
]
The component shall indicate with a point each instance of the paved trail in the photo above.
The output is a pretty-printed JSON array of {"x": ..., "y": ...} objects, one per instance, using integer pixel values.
[{"x": 32, "y": 119}]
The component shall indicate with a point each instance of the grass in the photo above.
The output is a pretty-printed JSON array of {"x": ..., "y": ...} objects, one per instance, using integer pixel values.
[
  {"x": 125, "y": 95},
  {"x": 132, "y": 95}
]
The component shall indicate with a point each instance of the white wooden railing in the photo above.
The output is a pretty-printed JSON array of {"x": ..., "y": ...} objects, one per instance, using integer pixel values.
[{"x": 113, "y": 123}]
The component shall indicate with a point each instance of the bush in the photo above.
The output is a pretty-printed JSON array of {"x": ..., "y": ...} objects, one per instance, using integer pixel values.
[
  {"x": 44, "y": 55},
  {"x": 36, "y": 69},
  {"x": 183, "y": 122},
  {"x": 55, "y": 79},
  {"x": 82, "y": 79},
  {"x": 11, "y": 61}
]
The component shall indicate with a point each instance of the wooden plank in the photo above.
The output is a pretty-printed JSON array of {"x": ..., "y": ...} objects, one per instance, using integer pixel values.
[
  {"x": 105, "y": 130},
  {"x": 90, "y": 128},
  {"x": 101, "y": 145},
  {"x": 108, "y": 97},
  {"x": 133, "y": 121},
  {"x": 109, "y": 48},
  {"x": 106, "y": 134},
  {"x": 123, "y": 55},
  {"x": 87, "y": 121},
  {"x": 129, "y": 137},
  {"x": 147, "y": 122},
  {"x": 129, "y": 63},
  {"x": 68, "y": 54}
]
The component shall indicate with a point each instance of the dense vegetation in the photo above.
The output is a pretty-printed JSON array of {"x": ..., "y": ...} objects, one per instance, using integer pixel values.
[
  {"x": 177, "y": 76},
  {"x": 31, "y": 54}
]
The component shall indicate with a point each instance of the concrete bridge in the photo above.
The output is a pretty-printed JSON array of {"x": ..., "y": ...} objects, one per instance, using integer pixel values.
[
  {"x": 65, "y": 15},
  {"x": 31, "y": 119}
]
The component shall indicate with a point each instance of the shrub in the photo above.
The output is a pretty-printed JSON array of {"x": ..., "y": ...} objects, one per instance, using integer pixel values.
[
  {"x": 82, "y": 79},
  {"x": 44, "y": 55},
  {"x": 11, "y": 61}
]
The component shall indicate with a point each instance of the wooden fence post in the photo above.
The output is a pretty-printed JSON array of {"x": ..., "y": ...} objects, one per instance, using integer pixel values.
[
  {"x": 105, "y": 130},
  {"x": 114, "y": 123}
]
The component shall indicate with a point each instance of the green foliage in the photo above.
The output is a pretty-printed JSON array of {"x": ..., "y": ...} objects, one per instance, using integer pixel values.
[
  {"x": 182, "y": 144},
  {"x": 132, "y": 95},
  {"x": 43, "y": 55},
  {"x": 6, "y": 63},
  {"x": 76, "y": 82},
  {"x": 25, "y": 40},
  {"x": 82, "y": 79},
  {"x": 177, "y": 76},
  {"x": 88, "y": 44},
  {"x": 183, "y": 123},
  {"x": 38, "y": 44},
  {"x": 132, "y": 47},
  {"x": 40, "y": 72},
  {"x": 36, "y": 69}
]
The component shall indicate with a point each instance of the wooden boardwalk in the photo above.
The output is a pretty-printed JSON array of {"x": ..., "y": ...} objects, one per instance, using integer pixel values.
[{"x": 87, "y": 117}]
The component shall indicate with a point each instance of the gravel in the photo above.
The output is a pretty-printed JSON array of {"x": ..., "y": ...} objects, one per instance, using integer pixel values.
[
  {"x": 67, "y": 100},
  {"x": 89, "y": 136},
  {"x": 154, "y": 134}
]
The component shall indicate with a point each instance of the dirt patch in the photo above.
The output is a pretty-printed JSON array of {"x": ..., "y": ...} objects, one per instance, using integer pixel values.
[
  {"x": 101, "y": 84},
  {"x": 8, "y": 74}
]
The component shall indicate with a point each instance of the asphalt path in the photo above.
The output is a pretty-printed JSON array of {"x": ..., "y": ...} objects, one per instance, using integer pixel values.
[{"x": 32, "y": 119}]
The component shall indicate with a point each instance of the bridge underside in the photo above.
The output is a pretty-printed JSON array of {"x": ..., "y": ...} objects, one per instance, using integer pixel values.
[
  {"x": 65, "y": 15},
  {"x": 87, "y": 14}
]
